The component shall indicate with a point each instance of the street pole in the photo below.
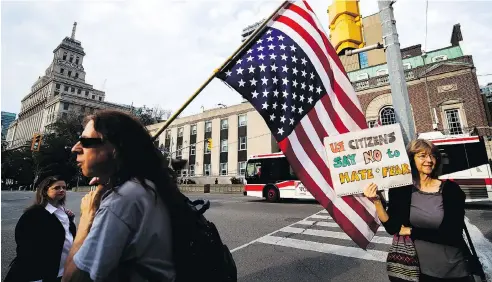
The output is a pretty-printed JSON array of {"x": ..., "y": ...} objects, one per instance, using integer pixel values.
[{"x": 398, "y": 84}]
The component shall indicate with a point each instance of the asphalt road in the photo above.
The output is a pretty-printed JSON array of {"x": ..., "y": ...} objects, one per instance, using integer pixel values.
[{"x": 287, "y": 241}]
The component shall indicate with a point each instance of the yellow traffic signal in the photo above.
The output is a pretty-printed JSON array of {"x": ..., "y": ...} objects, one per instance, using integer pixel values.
[
  {"x": 345, "y": 25},
  {"x": 209, "y": 143},
  {"x": 36, "y": 142}
]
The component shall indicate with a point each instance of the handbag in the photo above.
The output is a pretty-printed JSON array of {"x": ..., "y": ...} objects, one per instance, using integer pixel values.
[
  {"x": 402, "y": 263},
  {"x": 474, "y": 265}
]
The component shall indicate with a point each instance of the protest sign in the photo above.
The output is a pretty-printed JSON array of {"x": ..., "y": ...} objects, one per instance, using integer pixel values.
[{"x": 358, "y": 158}]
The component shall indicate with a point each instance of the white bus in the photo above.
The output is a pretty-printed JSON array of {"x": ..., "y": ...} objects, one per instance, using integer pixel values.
[{"x": 465, "y": 161}]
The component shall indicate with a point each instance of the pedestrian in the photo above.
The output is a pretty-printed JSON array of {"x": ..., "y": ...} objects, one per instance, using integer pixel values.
[
  {"x": 44, "y": 235},
  {"x": 431, "y": 213},
  {"x": 125, "y": 227}
]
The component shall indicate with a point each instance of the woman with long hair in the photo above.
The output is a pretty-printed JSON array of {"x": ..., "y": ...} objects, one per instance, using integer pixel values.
[
  {"x": 44, "y": 235},
  {"x": 431, "y": 212}
]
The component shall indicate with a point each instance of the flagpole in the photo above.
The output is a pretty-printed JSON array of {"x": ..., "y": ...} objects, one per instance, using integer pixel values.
[{"x": 244, "y": 45}]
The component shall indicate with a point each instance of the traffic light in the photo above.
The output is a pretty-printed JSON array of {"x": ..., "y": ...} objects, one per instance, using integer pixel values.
[
  {"x": 36, "y": 142},
  {"x": 209, "y": 143},
  {"x": 345, "y": 25}
]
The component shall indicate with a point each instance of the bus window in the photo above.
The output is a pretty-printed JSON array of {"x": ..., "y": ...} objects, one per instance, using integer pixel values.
[{"x": 253, "y": 169}]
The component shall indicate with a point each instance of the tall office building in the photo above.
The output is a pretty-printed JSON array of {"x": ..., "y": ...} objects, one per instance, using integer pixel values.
[
  {"x": 7, "y": 119},
  {"x": 61, "y": 91}
]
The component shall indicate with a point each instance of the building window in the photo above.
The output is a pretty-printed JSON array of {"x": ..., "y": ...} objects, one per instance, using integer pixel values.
[
  {"x": 66, "y": 88},
  {"x": 224, "y": 124},
  {"x": 100, "y": 98},
  {"x": 363, "y": 60},
  {"x": 206, "y": 150},
  {"x": 64, "y": 56},
  {"x": 223, "y": 169},
  {"x": 57, "y": 86},
  {"x": 79, "y": 91},
  {"x": 371, "y": 123},
  {"x": 192, "y": 170},
  {"x": 193, "y": 129},
  {"x": 71, "y": 58},
  {"x": 206, "y": 169},
  {"x": 454, "y": 121},
  {"x": 242, "y": 143},
  {"x": 241, "y": 167},
  {"x": 407, "y": 66},
  {"x": 72, "y": 89},
  {"x": 168, "y": 134},
  {"x": 242, "y": 120},
  {"x": 76, "y": 75},
  {"x": 179, "y": 151},
  {"x": 387, "y": 115},
  {"x": 192, "y": 149},
  {"x": 180, "y": 132},
  {"x": 66, "y": 106},
  {"x": 184, "y": 172},
  {"x": 223, "y": 146},
  {"x": 439, "y": 58},
  {"x": 94, "y": 97},
  {"x": 56, "y": 93},
  {"x": 62, "y": 70},
  {"x": 86, "y": 93},
  {"x": 69, "y": 73},
  {"x": 208, "y": 126},
  {"x": 77, "y": 60},
  {"x": 178, "y": 173}
]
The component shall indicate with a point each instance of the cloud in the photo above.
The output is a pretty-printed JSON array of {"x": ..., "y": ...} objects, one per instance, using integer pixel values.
[{"x": 159, "y": 52}]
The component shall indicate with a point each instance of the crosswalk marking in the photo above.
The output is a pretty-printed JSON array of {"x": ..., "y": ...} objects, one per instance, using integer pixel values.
[
  {"x": 354, "y": 252},
  {"x": 332, "y": 234}
]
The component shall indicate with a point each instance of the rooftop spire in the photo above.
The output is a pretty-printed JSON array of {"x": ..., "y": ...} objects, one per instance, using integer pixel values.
[{"x": 73, "y": 30}]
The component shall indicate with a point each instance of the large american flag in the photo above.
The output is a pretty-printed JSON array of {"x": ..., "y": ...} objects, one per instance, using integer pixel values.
[{"x": 293, "y": 77}]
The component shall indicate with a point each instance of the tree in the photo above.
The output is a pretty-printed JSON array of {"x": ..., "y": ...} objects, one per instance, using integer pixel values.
[
  {"x": 148, "y": 116},
  {"x": 17, "y": 167}
]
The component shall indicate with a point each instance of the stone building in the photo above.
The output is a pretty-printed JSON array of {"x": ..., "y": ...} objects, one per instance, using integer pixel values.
[{"x": 61, "y": 91}]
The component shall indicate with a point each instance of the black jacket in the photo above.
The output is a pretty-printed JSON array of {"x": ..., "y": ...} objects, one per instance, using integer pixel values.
[
  {"x": 39, "y": 236},
  {"x": 450, "y": 231}
]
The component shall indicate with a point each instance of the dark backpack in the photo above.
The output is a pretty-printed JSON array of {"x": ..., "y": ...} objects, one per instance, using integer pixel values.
[{"x": 199, "y": 254}]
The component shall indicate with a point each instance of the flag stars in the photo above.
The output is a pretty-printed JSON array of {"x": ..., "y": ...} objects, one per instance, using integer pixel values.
[
  {"x": 253, "y": 82},
  {"x": 293, "y": 48},
  {"x": 280, "y": 131},
  {"x": 262, "y": 67},
  {"x": 274, "y": 105},
  {"x": 238, "y": 62},
  {"x": 275, "y": 93},
  {"x": 272, "y": 117},
  {"x": 311, "y": 88},
  {"x": 241, "y": 83},
  {"x": 259, "y": 41},
  {"x": 250, "y": 58},
  {"x": 293, "y": 108},
  {"x": 312, "y": 75},
  {"x": 282, "y": 119},
  {"x": 284, "y": 57},
  {"x": 310, "y": 100},
  {"x": 282, "y": 46},
  {"x": 294, "y": 71},
  {"x": 264, "y": 81},
  {"x": 265, "y": 93},
  {"x": 285, "y": 81},
  {"x": 228, "y": 73},
  {"x": 260, "y": 48},
  {"x": 294, "y": 59},
  {"x": 274, "y": 67},
  {"x": 273, "y": 56},
  {"x": 285, "y": 68},
  {"x": 269, "y": 32},
  {"x": 285, "y": 93},
  {"x": 294, "y": 83},
  {"x": 294, "y": 95},
  {"x": 291, "y": 121},
  {"x": 280, "y": 37},
  {"x": 250, "y": 51},
  {"x": 261, "y": 57},
  {"x": 255, "y": 94},
  {"x": 318, "y": 89},
  {"x": 251, "y": 69},
  {"x": 284, "y": 106},
  {"x": 270, "y": 38},
  {"x": 304, "y": 73},
  {"x": 303, "y": 86},
  {"x": 300, "y": 110},
  {"x": 304, "y": 61},
  {"x": 271, "y": 47},
  {"x": 265, "y": 105},
  {"x": 301, "y": 98},
  {"x": 239, "y": 70},
  {"x": 275, "y": 80}
]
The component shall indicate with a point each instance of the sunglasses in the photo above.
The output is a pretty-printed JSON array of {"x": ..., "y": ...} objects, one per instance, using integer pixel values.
[{"x": 87, "y": 142}]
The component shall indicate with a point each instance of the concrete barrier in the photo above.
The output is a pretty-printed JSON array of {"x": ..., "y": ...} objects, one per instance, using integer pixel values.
[{"x": 191, "y": 188}]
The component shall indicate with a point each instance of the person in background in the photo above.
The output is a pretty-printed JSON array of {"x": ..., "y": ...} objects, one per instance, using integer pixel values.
[
  {"x": 125, "y": 230},
  {"x": 44, "y": 235},
  {"x": 431, "y": 212}
]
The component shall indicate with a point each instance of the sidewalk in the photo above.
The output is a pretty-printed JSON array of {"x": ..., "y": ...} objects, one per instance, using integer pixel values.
[{"x": 479, "y": 204}]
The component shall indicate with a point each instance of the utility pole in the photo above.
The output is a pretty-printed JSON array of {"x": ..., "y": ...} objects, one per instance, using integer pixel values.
[{"x": 398, "y": 84}]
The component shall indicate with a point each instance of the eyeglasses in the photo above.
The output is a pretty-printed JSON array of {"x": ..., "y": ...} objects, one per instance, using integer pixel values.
[
  {"x": 425, "y": 156},
  {"x": 87, "y": 142}
]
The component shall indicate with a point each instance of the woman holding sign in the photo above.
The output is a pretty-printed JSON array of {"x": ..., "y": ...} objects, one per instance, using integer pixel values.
[{"x": 430, "y": 212}]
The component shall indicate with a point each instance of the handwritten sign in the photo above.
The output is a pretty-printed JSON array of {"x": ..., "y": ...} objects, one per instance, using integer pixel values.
[{"x": 374, "y": 155}]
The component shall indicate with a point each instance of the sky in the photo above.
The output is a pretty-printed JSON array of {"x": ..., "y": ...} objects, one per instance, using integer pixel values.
[{"x": 158, "y": 52}]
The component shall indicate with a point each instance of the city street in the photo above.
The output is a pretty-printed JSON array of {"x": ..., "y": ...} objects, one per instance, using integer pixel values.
[{"x": 287, "y": 241}]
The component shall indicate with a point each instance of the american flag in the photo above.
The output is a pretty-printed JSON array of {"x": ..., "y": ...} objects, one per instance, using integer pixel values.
[{"x": 293, "y": 77}]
